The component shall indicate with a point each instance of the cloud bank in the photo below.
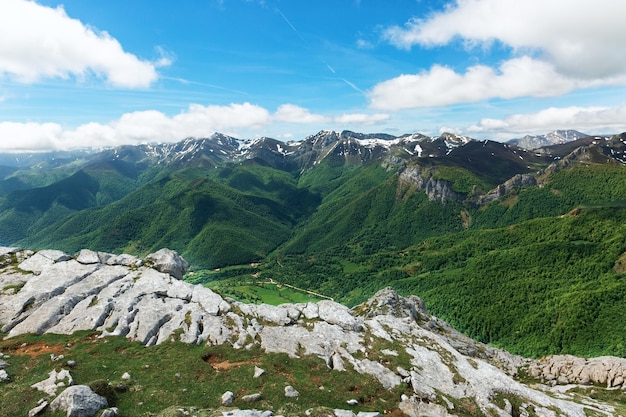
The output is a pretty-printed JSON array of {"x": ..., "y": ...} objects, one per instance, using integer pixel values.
[
  {"x": 554, "y": 50},
  {"x": 154, "y": 126},
  {"x": 38, "y": 42}
]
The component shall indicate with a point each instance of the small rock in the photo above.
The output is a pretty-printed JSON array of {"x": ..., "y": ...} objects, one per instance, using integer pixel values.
[
  {"x": 291, "y": 392},
  {"x": 252, "y": 397},
  {"x": 368, "y": 414},
  {"x": 343, "y": 413},
  {"x": 4, "y": 377},
  {"x": 37, "y": 410},
  {"x": 258, "y": 372},
  {"x": 227, "y": 398},
  {"x": 3, "y": 364},
  {"x": 126, "y": 376},
  {"x": 352, "y": 402},
  {"x": 71, "y": 364},
  {"x": 110, "y": 412}
]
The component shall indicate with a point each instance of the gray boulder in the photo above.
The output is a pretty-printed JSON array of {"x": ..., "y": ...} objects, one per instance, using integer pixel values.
[
  {"x": 168, "y": 261},
  {"x": 78, "y": 401},
  {"x": 227, "y": 398}
]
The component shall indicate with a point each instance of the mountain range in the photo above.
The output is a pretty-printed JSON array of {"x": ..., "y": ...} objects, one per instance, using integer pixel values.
[{"x": 494, "y": 236}]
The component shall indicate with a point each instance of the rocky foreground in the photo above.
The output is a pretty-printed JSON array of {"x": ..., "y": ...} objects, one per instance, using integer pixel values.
[{"x": 146, "y": 300}]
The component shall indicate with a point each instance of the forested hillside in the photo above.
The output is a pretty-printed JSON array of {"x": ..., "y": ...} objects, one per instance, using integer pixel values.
[{"x": 521, "y": 249}]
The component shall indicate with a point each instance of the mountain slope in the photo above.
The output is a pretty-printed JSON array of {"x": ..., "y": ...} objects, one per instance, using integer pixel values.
[{"x": 386, "y": 355}]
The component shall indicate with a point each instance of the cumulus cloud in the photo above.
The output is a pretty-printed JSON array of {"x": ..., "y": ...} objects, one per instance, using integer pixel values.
[
  {"x": 154, "y": 126},
  {"x": 295, "y": 114},
  {"x": 41, "y": 42},
  {"x": 555, "y": 49},
  {"x": 586, "y": 119},
  {"x": 442, "y": 86}
]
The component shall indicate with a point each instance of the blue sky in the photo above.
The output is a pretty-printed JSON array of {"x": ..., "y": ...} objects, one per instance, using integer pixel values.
[{"x": 82, "y": 73}]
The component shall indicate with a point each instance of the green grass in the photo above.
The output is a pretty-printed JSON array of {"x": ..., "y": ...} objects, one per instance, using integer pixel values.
[{"x": 184, "y": 375}]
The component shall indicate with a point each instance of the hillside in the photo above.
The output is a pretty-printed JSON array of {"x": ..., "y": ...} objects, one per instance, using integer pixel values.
[
  {"x": 124, "y": 334},
  {"x": 505, "y": 243}
]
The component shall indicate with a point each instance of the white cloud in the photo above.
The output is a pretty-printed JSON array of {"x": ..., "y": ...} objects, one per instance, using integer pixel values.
[
  {"x": 442, "y": 86},
  {"x": 41, "y": 42},
  {"x": 291, "y": 113},
  {"x": 585, "y": 119},
  {"x": 557, "y": 46},
  {"x": 154, "y": 126},
  {"x": 361, "y": 118}
]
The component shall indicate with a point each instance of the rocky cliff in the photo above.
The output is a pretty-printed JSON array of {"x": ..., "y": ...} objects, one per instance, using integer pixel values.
[{"x": 390, "y": 338}]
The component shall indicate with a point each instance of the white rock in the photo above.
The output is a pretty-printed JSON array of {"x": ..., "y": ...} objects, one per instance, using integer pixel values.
[
  {"x": 78, "y": 401},
  {"x": 168, "y": 261},
  {"x": 291, "y": 392},
  {"x": 227, "y": 398},
  {"x": 86, "y": 256},
  {"x": 54, "y": 381},
  {"x": 258, "y": 372}
]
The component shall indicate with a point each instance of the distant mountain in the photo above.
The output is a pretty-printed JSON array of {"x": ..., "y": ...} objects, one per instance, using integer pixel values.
[
  {"x": 461, "y": 221},
  {"x": 556, "y": 137}
]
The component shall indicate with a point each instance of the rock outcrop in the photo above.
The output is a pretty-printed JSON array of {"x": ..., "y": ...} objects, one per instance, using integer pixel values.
[
  {"x": 436, "y": 189},
  {"x": 568, "y": 369},
  {"x": 516, "y": 182},
  {"x": 126, "y": 296}
]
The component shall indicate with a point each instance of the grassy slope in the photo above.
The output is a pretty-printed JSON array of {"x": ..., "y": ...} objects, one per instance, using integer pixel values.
[{"x": 186, "y": 375}]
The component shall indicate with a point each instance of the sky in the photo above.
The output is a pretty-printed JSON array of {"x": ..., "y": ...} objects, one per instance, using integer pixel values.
[{"x": 93, "y": 73}]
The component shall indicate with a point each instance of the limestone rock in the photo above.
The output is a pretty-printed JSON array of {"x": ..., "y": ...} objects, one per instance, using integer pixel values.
[
  {"x": 335, "y": 313},
  {"x": 169, "y": 262},
  {"x": 227, "y": 398},
  {"x": 78, "y": 401},
  {"x": 110, "y": 412},
  {"x": 54, "y": 381},
  {"x": 41, "y": 406},
  {"x": 250, "y": 398},
  {"x": 4, "y": 376},
  {"x": 291, "y": 392},
  {"x": 41, "y": 259},
  {"x": 258, "y": 372},
  {"x": 86, "y": 256}
]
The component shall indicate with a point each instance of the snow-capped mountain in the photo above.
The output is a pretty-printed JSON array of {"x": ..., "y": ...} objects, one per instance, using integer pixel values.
[{"x": 556, "y": 137}]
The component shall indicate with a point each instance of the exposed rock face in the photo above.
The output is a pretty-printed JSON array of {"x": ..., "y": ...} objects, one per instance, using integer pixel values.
[
  {"x": 141, "y": 303},
  {"x": 567, "y": 369},
  {"x": 436, "y": 189},
  {"x": 517, "y": 181}
]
